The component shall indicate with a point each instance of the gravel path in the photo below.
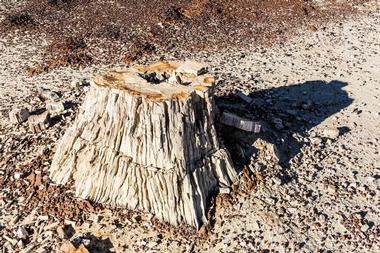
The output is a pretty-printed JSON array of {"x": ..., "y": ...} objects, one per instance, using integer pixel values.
[{"x": 313, "y": 184}]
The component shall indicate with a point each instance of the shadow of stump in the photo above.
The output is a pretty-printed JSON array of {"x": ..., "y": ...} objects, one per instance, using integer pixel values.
[{"x": 288, "y": 113}]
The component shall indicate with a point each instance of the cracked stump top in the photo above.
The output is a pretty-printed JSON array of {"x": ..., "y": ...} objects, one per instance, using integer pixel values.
[{"x": 160, "y": 81}]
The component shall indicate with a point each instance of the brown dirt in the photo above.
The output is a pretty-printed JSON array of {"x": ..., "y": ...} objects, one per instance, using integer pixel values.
[{"x": 84, "y": 32}]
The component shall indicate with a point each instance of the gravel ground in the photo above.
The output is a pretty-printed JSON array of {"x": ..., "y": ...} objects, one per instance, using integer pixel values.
[{"x": 310, "y": 182}]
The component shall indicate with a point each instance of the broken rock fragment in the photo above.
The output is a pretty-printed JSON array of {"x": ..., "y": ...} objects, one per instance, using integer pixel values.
[
  {"x": 47, "y": 94},
  {"x": 233, "y": 120},
  {"x": 61, "y": 232},
  {"x": 22, "y": 233},
  {"x": 17, "y": 175},
  {"x": 18, "y": 115},
  {"x": 55, "y": 107},
  {"x": 38, "y": 123},
  {"x": 192, "y": 68},
  {"x": 331, "y": 132}
]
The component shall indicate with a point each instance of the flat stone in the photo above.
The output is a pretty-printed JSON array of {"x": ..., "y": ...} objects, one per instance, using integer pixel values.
[
  {"x": 316, "y": 141},
  {"x": 51, "y": 226},
  {"x": 8, "y": 245},
  {"x": 364, "y": 228},
  {"x": 47, "y": 94},
  {"x": 20, "y": 244},
  {"x": 28, "y": 220},
  {"x": 17, "y": 175},
  {"x": 277, "y": 180},
  {"x": 38, "y": 123},
  {"x": 224, "y": 190},
  {"x": 22, "y": 233},
  {"x": 41, "y": 250},
  {"x": 18, "y": 115},
  {"x": 11, "y": 240},
  {"x": 233, "y": 120},
  {"x": 94, "y": 218},
  {"x": 331, "y": 133},
  {"x": 86, "y": 242},
  {"x": 191, "y": 67},
  {"x": 48, "y": 234},
  {"x": 61, "y": 232},
  {"x": 55, "y": 107}
]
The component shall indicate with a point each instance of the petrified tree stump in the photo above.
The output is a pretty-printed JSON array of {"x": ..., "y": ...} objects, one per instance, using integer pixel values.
[{"x": 145, "y": 138}]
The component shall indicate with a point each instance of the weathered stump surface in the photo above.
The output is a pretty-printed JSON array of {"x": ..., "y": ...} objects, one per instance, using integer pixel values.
[{"x": 145, "y": 138}]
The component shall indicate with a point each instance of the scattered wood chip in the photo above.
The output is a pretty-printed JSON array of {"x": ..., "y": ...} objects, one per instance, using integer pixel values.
[
  {"x": 18, "y": 115},
  {"x": 22, "y": 233},
  {"x": 38, "y": 123},
  {"x": 233, "y": 120}
]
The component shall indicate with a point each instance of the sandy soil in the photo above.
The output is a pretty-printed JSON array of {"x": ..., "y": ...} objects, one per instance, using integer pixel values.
[{"x": 317, "y": 192}]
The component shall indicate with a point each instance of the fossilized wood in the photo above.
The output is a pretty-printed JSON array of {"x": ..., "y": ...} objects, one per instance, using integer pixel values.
[
  {"x": 150, "y": 146},
  {"x": 233, "y": 120},
  {"x": 18, "y": 115},
  {"x": 38, "y": 123}
]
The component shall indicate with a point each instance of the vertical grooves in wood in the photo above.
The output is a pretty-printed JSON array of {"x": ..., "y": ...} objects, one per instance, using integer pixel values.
[{"x": 160, "y": 156}]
